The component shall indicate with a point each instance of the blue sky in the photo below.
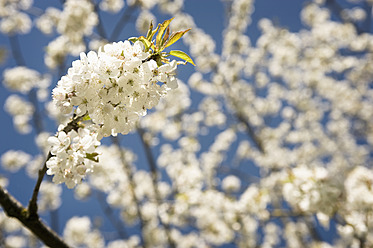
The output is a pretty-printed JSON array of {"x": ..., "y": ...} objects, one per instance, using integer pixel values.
[{"x": 208, "y": 15}]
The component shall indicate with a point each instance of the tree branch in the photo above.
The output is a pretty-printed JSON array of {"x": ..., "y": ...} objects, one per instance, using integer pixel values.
[
  {"x": 100, "y": 28},
  {"x": 108, "y": 211},
  {"x": 129, "y": 173},
  {"x": 121, "y": 23},
  {"x": 250, "y": 132},
  {"x": 33, "y": 207},
  {"x": 154, "y": 173},
  {"x": 338, "y": 9},
  {"x": 16, "y": 50},
  {"x": 14, "y": 209}
]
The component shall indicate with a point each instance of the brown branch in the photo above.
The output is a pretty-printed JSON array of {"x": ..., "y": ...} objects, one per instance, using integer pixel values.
[
  {"x": 14, "y": 209},
  {"x": 33, "y": 207}
]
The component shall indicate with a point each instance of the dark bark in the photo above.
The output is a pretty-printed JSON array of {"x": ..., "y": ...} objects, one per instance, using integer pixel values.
[{"x": 14, "y": 209}]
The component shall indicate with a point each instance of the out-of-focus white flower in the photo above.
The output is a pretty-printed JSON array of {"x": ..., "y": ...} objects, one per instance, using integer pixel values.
[
  {"x": 56, "y": 51},
  {"x": 48, "y": 20},
  {"x": 54, "y": 113},
  {"x": 35, "y": 165},
  {"x": 15, "y": 105},
  {"x": 41, "y": 141},
  {"x": 358, "y": 186},
  {"x": 95, "y": 44},
  {"x": 143, "y": 20},
  {"x": 50, "y": 196},
  {"x": 113, "y": 6},
  {"x": 78, "y": 18},
  {"x": 12, "y": 19},
  {"x": 311, "y": 190},
  {"x": 312, "y": 14},
  {"x": 171, "y": 7},
  {"x": 78, "y": 232},
  {"x": 3, "y": 181},
  {"x": 14, "y": 160},
  {"x": 231, "y": 184},
  {"x": 132, "y": 242},
  {"x": 21, "y": 112},
  {"x": 21, "y": 79},
  {"x": 82, "y": 191},
  {"x": 15, "y": 241},
  {"x": 214, "y": 116},
  {"x": 354, "y": 14},
  {"x": 16, "y": 23},
  {"x": 145, "y": 4}
]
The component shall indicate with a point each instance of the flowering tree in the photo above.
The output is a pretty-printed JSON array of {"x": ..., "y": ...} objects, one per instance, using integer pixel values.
[{"x": 266, "y": 142}]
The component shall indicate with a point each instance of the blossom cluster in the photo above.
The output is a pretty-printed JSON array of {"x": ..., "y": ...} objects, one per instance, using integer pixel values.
[
  {"x": 73, "y": 156},
  {"x": 114, "y": 87},
  {"x": 13, "y": 19},
  {"x": 73, "y": 23},
  {"x": 23, "y": 80}
]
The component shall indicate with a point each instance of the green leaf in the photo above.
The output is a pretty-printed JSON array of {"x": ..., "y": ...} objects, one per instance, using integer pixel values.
[
  {"x": 175, "y": 37},
  {"x": 182, "y": 55},
  {"x": 133, "y": 39},
  {"x": 165, "y": 37},
  {"x": 162, "y": 28},
  {"x": 146, "y": 43},
  {"x": 152, "y": 34},
  {"x": 149, "y": 33},
  {"x": 92, "y": 156},
  {"x": 86, "y": 118}
]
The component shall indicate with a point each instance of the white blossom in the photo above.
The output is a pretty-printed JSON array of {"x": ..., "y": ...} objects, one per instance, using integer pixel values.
[
  {"x": 358, "y": 188},
  {"x": 50, "y": 196},
  {"x": 231, "y": 184},
  {"x": 144, "y": 19},
  {"x": 113, "y": 6},
  {"x": 73, "y": 156},
  {"x": 79, "y": 232},
  {"x": 114, "y": 87},
  {"x": 14, "y": 160},
  {"x": 21, "y": 79}
]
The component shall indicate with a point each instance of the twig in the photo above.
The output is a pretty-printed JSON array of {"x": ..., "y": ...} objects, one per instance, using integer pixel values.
[
  {"x": 249, "y": 129},
  {"x": 13, "y": 208},
  {"x": 54, "y": 220},
  {"x": 38, "y": 124},
  {"x": 250, "y": 132},
  {"x": 313, "y": 231},
  {"x": 154, "y": 173},
  {"x": 129, "y": 172},
  {"x": 33, "y": 207},
  {"x": 108, "y": 211},
  {"x": 334, "y": 6},
  {"x": 16, "y": 50},
  {"x": 368, "y": 19},
  {"x": 100, "y": 29},
  {"x": 121, "y": 23}
]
